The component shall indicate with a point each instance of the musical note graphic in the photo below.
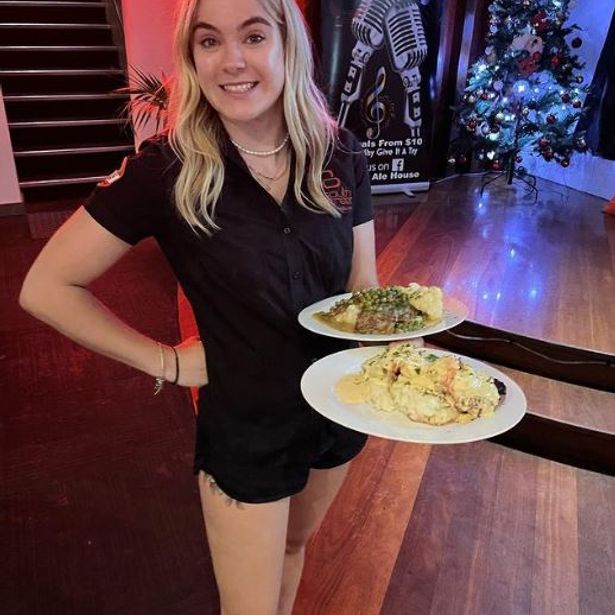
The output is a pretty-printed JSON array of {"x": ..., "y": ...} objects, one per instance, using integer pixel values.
[{"x": 374, "y": 109}]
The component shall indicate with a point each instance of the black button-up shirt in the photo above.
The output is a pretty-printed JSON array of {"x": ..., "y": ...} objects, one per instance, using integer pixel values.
[{"x": 246, "y": 284}]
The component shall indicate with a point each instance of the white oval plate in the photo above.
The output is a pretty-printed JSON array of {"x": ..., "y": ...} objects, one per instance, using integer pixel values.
[
  {"x": 318, "y": 388},
  {"x": 454, "y": 313}
]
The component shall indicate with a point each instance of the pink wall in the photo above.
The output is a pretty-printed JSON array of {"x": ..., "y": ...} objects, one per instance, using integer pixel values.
[
  {"x": 9, "y": 186},
  {"x": 148, "y": 34}
]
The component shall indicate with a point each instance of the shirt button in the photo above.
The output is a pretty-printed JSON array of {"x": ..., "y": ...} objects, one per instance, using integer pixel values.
[
  {"x": 296, "y": 275},
  {"x": 286, "y": 230}
]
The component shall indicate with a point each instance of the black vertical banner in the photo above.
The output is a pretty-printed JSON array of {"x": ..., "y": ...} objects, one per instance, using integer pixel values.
[{"x": 379, "y": 61}]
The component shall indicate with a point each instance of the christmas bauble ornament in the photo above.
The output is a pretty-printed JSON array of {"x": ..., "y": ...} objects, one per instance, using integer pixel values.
[
  {"x": 471, "y": 99},
  {"x": 548, "y": 155},
  {"x": 543, "y": 142},
  {"x": 525, "y": 111},
  {"x": 485, "y": 129},
  {"x": 518, "y": 159},
  {"x": 579, "y": 79},
  {"x": 499, "y": 117},
  {"x": 451, "y": 161},
  {"x": 566, "y": 97},
  {"x": 495, "y": 130},
  {"x": 576, "y": 103},
  {"x": 472, "y": 124},
  {"x": 581, "y": 144},
  {"x": 551, "y": 118},
  {"x": 498, "y": 85},
  {"x": 496, "y": 165},
  {"x": 565, "y": 162},
  {"x": 576, "y": 42}
]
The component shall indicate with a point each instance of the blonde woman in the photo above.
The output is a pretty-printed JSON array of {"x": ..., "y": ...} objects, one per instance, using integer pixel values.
[{"x": 261, "y": 206}]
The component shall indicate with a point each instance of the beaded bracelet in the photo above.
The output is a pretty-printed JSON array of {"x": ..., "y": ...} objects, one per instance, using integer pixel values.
[{"x": 159, "y": 383}]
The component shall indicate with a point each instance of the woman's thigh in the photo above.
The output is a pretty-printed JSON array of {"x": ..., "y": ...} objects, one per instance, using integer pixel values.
[
  {"x": 309, "y": 507},
  {"x": 247, "y": 544}
]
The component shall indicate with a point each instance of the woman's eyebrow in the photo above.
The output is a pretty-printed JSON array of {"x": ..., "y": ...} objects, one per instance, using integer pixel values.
[{"x": 246, "y": 24}]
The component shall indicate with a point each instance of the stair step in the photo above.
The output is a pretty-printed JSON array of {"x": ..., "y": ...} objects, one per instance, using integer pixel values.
[
  {"x": 32, "y": 57},
  {"x": 62, "y": 151},
  {"x": 61, "y": 181},
  {"x": 71, "y": 134},
  {"x": 65, "y": 123},
  {"x": 63, "y": 97},
  {"x": 67, "y": 107},
  {"x": 58, "y": 48},
  {"x": 26, "y": 11},
  {"x": 56, "y": 33},
  {"x": 72, "y": 72},
  {"x": 61, "y": 82}
]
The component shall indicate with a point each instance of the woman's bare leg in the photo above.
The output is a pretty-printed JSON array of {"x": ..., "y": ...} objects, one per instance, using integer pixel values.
[
  {"x": 247, "y": 545},
  {"x": 307, "y": 510}
]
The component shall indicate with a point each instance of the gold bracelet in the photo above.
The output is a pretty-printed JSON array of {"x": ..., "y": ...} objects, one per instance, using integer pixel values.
[{"x": 159, "y": 383}]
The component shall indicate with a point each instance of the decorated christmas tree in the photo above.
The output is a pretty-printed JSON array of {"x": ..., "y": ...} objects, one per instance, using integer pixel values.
[{"x": 524, "y": 94}]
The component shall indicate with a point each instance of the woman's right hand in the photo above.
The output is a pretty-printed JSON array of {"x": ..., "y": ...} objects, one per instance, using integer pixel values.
[{"x": 192, "y": 363}]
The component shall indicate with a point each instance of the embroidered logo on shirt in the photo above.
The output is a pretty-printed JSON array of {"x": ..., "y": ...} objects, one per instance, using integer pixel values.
[
  {"x": 117, "y": 174},
  {"x": 339, "y": 194}
]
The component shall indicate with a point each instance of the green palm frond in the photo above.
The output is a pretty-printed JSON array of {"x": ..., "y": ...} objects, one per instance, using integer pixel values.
[{"x": 149, "y": 98}]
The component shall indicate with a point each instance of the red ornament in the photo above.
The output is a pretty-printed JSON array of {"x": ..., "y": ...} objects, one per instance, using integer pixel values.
[
  {"x": 472, "y": 124},
  {"x": 540, "y": 21},
  {"x": 527, "y": 66},
  {"x": 543, "y": 143},
  {"x": 497, "y": 165},
  {"x": 551, "y": 118},
  {"x": 548, "y": 155},
  {"x": 566, "y": 97},
  {"x": 555, "y": 61},
  {"x": 576, "y": 103}
]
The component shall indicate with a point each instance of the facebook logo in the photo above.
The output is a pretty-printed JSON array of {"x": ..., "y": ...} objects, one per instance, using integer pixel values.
[{"x": 397, "y": 164}]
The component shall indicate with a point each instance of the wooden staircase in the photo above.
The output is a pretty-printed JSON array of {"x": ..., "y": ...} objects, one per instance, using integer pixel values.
[{"x": 59, "y": 64}]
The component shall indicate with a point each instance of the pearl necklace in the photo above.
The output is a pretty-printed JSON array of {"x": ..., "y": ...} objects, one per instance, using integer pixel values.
[{"x": 245, "y": 150}]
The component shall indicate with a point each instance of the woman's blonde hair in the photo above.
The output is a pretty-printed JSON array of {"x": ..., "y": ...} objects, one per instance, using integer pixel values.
[{"x": 195, "y": 128}]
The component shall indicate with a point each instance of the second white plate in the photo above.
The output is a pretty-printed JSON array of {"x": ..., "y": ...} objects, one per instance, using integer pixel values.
[
  {"x": 455, "y": 312},
  {"x": 318, "y": 388}
]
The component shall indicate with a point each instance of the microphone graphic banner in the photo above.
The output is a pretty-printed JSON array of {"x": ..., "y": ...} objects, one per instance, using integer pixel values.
[{"x": 379, "y": 61}]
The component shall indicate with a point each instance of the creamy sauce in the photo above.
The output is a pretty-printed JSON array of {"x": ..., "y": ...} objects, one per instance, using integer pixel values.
[
  {"x": 340, "y": 326},
  {"x": 350, "y": 391}
]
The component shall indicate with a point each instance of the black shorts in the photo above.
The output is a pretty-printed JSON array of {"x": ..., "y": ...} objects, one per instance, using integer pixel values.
[{"x": 259, "y": 483}]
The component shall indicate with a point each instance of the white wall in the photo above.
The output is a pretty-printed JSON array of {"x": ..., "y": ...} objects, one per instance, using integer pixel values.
[
  {"x": 9, "y": 186},
  {"x": 586, "y": 172},
  {"x": 148, "y": 34}
]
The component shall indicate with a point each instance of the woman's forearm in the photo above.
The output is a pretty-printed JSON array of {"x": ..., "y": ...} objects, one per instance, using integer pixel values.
[{"x": 76, "y": 313}]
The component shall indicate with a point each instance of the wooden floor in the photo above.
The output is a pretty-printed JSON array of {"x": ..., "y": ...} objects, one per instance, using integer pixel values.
[
  {"x": 544, "y": 269},
  {"x": 100, "y": 510}
]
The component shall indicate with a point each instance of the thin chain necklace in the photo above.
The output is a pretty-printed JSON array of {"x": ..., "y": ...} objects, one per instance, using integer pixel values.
[
  {"x": 267, "y": 184},
  {"x": 245, "y": 150}
]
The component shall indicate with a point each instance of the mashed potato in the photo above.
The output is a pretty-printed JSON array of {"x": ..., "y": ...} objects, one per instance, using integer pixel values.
[{"x": 425, "y": 387}]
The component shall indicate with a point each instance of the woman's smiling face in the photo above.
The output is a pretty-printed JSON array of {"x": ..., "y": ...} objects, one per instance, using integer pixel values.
[{"x": 239, "y": 58}]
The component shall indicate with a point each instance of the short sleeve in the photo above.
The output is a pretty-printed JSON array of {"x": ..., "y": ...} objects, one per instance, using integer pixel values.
[
  {"x": 362, "y": 210},
  {"x": 128, "y": 203}
]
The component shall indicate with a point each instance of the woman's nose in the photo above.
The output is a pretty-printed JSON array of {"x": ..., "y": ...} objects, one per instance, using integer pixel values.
[{"x": 234, "y": 58}]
